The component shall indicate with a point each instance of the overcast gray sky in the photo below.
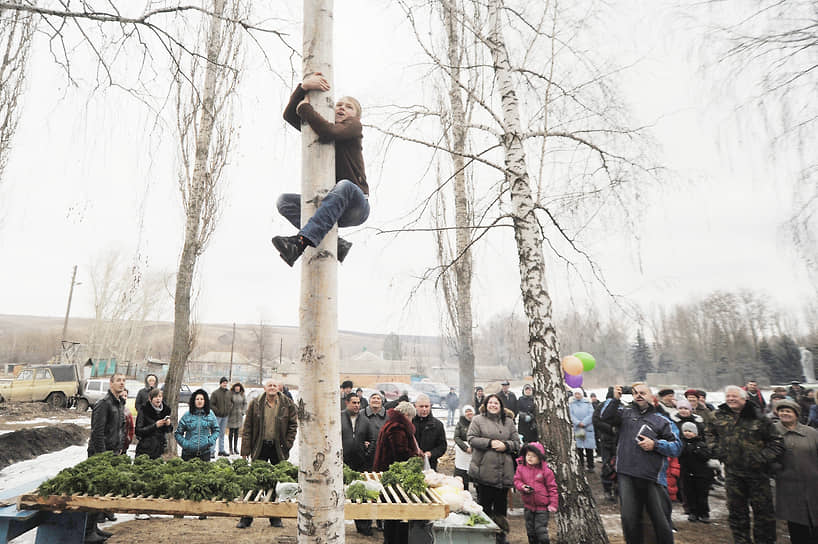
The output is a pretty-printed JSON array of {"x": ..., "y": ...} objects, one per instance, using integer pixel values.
[{"x": 90, "y": 173}]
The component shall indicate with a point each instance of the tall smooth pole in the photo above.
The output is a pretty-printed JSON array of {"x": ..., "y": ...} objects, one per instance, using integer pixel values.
[{"x": 321, "y": 506}]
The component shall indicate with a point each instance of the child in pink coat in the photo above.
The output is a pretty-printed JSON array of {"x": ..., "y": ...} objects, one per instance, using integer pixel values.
[{"x": 535, "y": 481}]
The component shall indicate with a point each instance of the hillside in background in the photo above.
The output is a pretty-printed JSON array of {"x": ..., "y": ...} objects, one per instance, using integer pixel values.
[{"x": 35, "y": 339}]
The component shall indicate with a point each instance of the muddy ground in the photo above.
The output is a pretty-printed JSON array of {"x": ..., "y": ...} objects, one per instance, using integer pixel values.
[{"x": 25, "y": 438}]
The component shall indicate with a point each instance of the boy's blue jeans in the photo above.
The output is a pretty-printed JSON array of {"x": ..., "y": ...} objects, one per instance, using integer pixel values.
[{"x": 345, "y": 204}]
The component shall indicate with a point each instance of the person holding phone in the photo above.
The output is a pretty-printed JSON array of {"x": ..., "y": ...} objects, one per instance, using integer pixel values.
[
  {"x": 646, "y": 440},
  {"x": 152, "y": 425}
]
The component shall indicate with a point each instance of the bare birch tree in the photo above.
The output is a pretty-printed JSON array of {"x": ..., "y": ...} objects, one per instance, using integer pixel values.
[
  {"x": 321, "y": 505},
  {"x": 585, "y": 160},
  {"x": 205, "y": 91},
  {"x": 578, "y": 521},
  {"x": 16, "y": 34}
]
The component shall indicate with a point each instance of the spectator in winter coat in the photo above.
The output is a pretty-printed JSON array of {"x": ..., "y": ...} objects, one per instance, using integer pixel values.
[
  {"x": 684, "y": 415},
  {"x": 357, "y": 436},
  {"x": 198, "y": 429},
  {"x": 754, "y": 395},
  {"x": 699, "y": 407},
  {"x": 527, "y": 424},
  {"x": 108, "y": 420},
  {"x": 152, "y": 426},
  {"x": 582, "y": 415},
  {"x": 666, "y": 402},
  {"x": 151, "y": 382},
  {"x": 221, "y": 402},
  {"x": 796, "y": 482},
  {"x": 375, "y": 413},
  {"x": 429, "y": 431},
  {"x": 748, "y": 445},
  {"x": 696, "y": 475},
  {"x": 646, "y": 440},
  {"x": 606, "y": 435},
  {"x": 462, "y": 450},
  {"x": 452, "y": 402},
  {"x": 358, "y": 444},
  {"x": 508, "y": 397},
  {"x": 396, "y": 442},
  {"x": 238, "y": 407},
  {"x": 479, "y": 398},
  {"x": 495, "y": 443},
  {"x": 537, "y": 485},
  {"x": 269, "y": 432},
  {"x": 107, "y": 434}
]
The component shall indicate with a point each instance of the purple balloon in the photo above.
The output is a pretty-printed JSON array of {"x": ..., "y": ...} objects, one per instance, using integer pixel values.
[{"x": 573, "y": 381}]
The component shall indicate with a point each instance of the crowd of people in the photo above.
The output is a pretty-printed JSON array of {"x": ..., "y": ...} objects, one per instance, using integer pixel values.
[{"x": 656, "y": 450}]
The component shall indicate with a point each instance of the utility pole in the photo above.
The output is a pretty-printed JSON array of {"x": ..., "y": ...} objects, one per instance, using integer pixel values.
[
  {"x": 232, "y": 345},
  {"x": 68, "y": 308},
  {"x": 321, "y": 504}
]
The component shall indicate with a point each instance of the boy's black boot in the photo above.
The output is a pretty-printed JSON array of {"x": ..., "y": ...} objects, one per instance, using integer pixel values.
[
  {"x": 343, "y": 249},
  {"x": 290, "y": 248}
]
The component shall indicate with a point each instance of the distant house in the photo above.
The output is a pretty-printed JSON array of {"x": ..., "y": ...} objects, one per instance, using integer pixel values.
[{"x": 212, "y": 365}]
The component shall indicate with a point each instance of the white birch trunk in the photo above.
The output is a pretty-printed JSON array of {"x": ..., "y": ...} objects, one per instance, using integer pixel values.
[
  {"x": 578, "y": 521},
  {"x": 321, "y": 506}
]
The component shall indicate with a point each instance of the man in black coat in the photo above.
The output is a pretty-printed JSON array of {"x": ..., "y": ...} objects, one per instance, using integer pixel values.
[
  {"x": 429, "y": 431},
  {"x": 508, "y": 397},
  {"x": 358, "y": 442},
  {"x": 107, "y": 434}
]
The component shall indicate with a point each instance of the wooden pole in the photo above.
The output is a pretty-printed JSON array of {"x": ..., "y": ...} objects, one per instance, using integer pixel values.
[{"x": 321, "y": 506}]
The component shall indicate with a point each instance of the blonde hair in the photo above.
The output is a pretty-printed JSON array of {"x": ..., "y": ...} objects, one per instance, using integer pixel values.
[{"x": 355, "y": 103}]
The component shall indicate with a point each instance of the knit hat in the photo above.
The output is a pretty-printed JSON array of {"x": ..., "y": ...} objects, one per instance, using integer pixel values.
[
  {"x": 690, "y": 426},
  {"x": 682, "y": 403},
  {"x": 466, "y": 408},
  {"x": 222, "y": 380},
  {"x": 788, "y": 403},
  {"x": 691, "y": 392}
]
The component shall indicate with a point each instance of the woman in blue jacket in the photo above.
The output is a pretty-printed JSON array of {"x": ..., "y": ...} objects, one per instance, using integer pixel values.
[
  {"x": 198, "y": 429},
  {"x": 582, "y": 413}
]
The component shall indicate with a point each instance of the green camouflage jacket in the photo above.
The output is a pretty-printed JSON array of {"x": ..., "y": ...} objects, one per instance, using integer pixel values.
[{"x": 748, "y": 444}]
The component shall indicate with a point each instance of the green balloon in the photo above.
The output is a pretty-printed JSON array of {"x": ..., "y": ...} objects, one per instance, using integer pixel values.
[{"x": 588, "y": 361}]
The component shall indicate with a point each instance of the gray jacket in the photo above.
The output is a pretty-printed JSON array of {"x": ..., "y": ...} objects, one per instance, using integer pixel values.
[
  {"x": 238, "y": 408},
  {"x": 490, "y": 467},
  {"x": 796, "y": 482}
]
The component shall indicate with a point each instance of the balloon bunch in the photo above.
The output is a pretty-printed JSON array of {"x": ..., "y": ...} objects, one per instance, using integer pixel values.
[{"x": 574, "y": 365}]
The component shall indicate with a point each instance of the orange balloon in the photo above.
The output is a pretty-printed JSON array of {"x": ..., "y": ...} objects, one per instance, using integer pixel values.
[{"x": 572, "y": 365}]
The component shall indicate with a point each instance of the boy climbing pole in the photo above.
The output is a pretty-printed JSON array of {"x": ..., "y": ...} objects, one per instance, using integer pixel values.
[{"x": 347, "y": 203}]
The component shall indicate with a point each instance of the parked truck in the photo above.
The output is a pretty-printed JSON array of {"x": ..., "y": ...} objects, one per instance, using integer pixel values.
[{"x": 58, "y": 385}]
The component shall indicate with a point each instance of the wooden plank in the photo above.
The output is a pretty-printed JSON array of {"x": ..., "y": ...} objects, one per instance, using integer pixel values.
[
  {"x": 370, "y": 510},
  {"x": 160, "y": 506}
]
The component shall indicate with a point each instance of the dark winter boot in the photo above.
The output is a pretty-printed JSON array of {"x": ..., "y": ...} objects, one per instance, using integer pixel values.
[
  {"x": 343, "y": 249},
  {"x": 290, "y": 248}
]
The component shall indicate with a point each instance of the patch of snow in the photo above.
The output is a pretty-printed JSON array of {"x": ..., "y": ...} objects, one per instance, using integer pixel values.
[{"x": 44, "y": 466}]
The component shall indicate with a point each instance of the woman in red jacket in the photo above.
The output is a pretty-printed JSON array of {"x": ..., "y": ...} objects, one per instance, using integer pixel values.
[{"x": 396, "y": 442}]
